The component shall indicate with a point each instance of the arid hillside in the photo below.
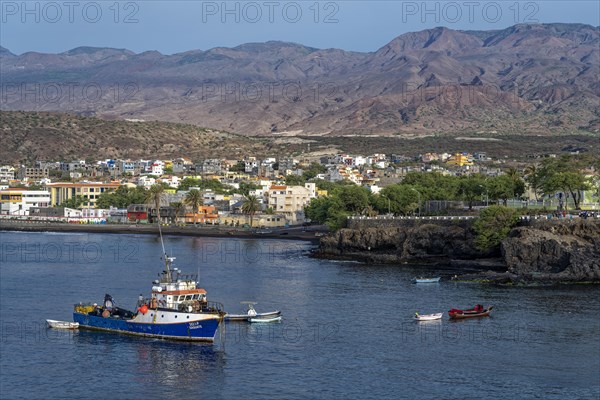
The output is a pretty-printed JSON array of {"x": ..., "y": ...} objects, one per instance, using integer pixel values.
[{"x": 527, "y": 79}]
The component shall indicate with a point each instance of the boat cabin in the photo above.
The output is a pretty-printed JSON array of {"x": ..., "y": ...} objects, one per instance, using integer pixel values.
[{"x": 177, "y": 291}]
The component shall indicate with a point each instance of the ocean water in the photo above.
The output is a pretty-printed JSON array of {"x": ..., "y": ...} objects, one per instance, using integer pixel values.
[{"x": 347, "y": 329}]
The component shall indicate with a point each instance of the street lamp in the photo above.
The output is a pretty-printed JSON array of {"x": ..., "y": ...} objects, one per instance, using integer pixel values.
[{"x": 418, "y": 193}]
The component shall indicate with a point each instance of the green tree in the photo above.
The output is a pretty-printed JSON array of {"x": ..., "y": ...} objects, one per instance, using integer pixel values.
[
  {"x": 74, "y": 202},
  {"x": 295, "y": 180},
  {"x": 534, "y": 179},
  {"x": 122, "y": 197},
  {"x": 250, "y": 206},
  {"x": 245, "y": 188},
  {"x": 400, "y": 199},
  {"x": 194, "y": 199},
  {"x": 471, "y": 188},
  {"x": 353, "y": 198},
  {"x": 505, "y": 187},
  {"x": 187, "y": 183},
  {"x": 239, "y": 167},
  {"x": 566, "y": 174},
  {"x": 334, "y": 210},
  {"x": 493, "y": 224},
  {"x": 433, "y": 185},
  {"x": 313, "y": 170},
  {"x": 320, "y": 209}
]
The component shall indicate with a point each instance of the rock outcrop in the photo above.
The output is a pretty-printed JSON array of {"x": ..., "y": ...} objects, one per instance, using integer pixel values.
[
  {"x": 426, "y": 243},
  {"x": 560, "y": 251}
]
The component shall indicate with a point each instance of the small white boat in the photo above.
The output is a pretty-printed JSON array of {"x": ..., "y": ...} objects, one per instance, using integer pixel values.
[
  {"x": 62, "y": 324},
  {"x": 265, "y": 320},
  {"x": 428, "y": 317},
  {"x": 251, "y": 313},
  {"x": 426, "y": 280}
]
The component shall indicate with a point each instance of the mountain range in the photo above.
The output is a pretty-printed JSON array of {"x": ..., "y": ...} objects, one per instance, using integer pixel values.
[{"x": 541, "y": 79}]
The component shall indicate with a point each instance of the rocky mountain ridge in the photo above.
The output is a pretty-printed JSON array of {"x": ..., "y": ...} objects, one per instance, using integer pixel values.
[{"x": 536, "y": 79}]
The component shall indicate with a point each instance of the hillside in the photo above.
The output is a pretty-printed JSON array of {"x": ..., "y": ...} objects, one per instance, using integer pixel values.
[
  {"x": 30, "y": 136},
  {"x": 526, "y": 79}
]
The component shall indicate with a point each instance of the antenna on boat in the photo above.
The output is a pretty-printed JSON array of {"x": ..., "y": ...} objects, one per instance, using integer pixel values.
[{"x": 162, "y": 242}]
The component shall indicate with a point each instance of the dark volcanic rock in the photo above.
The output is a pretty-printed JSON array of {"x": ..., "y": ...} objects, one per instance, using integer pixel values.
[
  {"x": 547, "y": 251},
  {"x": 421, "y": 243},
  {"x": 555, "y": 251}
]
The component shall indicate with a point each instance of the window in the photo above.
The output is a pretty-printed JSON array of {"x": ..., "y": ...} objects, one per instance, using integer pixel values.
[{"x": 188, "y": 297}]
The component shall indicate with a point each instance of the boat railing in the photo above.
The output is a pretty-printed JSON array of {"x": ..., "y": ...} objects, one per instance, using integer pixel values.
[
  {"x": 188, "y": 277},
  {"x": 213, "y": 307}
]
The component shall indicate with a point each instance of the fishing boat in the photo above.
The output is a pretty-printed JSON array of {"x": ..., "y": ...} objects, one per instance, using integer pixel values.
[
  {"x": 428, "y": 317},
  {"x": 52, "y": 323},
  {"x": 477, "y": 311},
  {"x": 251, "y": 313},
  {"x": 177, "y": 309},
  {"x": 426, "y": 280}
]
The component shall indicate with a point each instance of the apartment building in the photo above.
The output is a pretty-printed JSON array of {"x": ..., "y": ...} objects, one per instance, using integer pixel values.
[
  {"x": 90, "y": 191},
  {"x": 18, "y": 201}
]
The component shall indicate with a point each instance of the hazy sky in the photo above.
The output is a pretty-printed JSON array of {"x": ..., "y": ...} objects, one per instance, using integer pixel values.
[{"x": 176, "y": 26}]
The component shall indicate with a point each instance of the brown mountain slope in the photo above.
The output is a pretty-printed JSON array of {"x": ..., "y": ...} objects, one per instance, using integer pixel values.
[
  {"x": 30, "y": 136},
  {"x": 540, "y": 79}
]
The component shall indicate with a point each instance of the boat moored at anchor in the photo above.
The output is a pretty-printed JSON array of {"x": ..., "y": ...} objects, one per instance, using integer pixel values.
[{"x": 177, "y": 309}]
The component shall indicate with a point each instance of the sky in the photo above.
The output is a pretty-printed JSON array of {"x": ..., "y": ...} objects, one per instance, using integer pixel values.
[{"x": 177, "y": 26}]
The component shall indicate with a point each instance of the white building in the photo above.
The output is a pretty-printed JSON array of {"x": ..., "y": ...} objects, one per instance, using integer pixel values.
[
  {"x": 291, "y": 200},
  {"x": 7, "y": 173},
  {"x": 18, "y": 201},
  {"x": 157, "y": 168},
  {"x": 358, "y": 161},
  {"x": 146, "y": 181}
]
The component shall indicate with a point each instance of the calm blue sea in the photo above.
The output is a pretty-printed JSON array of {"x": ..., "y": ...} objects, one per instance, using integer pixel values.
[{"x": 347, "y": 331}]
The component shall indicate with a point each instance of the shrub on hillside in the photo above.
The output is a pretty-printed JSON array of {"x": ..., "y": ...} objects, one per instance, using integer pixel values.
[{"x": 493, "y": 225}]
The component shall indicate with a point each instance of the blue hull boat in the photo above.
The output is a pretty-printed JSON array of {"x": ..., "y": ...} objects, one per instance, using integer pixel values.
[
  {"x": 177, "y": 309},
  {"x": 200, "y": 330}
]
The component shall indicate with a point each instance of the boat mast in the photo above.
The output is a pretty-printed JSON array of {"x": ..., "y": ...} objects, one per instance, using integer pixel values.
[{"x": 162, "y": 243}]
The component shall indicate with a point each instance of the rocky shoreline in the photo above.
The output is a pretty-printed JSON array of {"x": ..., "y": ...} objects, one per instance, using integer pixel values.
[{"x": 540, "y": 252}]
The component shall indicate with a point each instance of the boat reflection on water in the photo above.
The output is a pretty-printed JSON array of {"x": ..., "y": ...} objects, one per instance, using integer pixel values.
[{"x": 160, "y": 363}]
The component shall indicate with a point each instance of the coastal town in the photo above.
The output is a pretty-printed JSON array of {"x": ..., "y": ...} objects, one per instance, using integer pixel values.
[{"x": 275, "y": 192}]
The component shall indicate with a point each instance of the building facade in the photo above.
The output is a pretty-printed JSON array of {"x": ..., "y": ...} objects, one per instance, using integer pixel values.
[
  {"x": 290, "y": 200},
  {"x": 90, "y": 191},
  {"x": 18, "y": 201}
]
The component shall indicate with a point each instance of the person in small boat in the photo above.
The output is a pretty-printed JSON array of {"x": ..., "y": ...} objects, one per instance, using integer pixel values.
[{"x": 479, "y": 308}]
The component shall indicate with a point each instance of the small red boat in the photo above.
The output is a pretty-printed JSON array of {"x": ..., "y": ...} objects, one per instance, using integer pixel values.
[{"x": 477, "y": 311}]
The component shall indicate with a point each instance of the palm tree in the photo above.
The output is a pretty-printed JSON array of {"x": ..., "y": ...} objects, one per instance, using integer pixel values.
[
  {"x": 250, "y": 206},
  {"x": 178, "y": 206},
  {"x": 194, "y": 200},
  {"x": 154, "y": 196}
]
